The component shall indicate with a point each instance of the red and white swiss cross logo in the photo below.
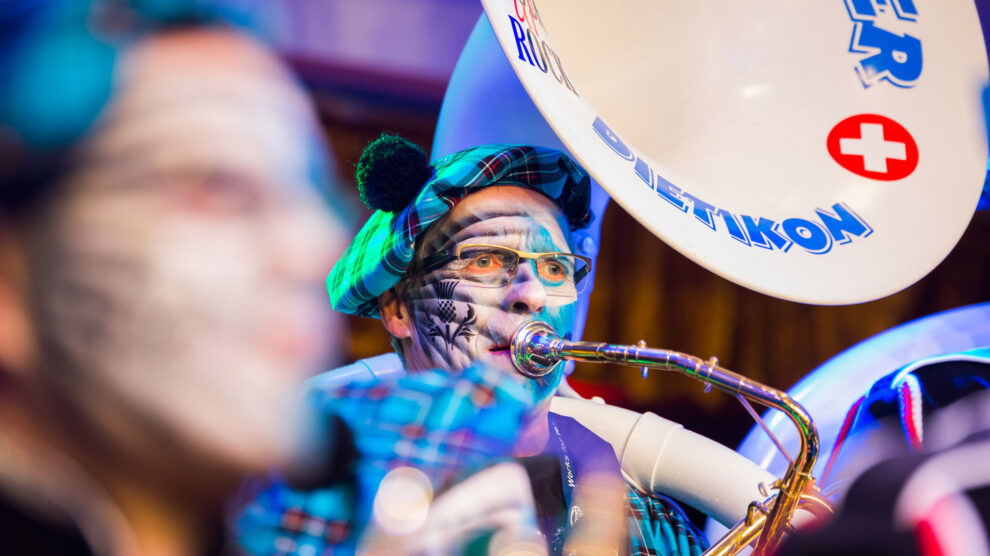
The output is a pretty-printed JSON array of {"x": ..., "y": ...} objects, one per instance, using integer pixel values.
[{"x": 874, "y": 147}]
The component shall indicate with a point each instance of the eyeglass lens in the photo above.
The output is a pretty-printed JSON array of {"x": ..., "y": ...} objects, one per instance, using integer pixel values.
[{"x": 497, "y": 267}]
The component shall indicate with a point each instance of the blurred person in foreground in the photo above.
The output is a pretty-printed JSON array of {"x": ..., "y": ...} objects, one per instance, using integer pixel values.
[
  {"x": 456, "y": 257},
  {"x": 160, "y": 279}
]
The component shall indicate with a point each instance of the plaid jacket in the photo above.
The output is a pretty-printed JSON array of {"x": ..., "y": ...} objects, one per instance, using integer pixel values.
[
  {"x": 444, "y": 426},
  {"x": 383, "y": 249}
]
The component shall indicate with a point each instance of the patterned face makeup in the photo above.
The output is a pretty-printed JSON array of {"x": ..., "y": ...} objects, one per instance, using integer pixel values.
[
  {"x": 182, "y": 287},
  {"x": 457, "y": 323}
]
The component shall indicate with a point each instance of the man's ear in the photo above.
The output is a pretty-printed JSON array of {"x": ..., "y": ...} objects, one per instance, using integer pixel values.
[
  {"x": 395, "y": 314},
  {"x": 16, "y": 341}
]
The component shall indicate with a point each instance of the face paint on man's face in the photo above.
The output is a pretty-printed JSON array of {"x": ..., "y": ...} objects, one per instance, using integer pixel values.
[
  {"x": 442, "y": 323},
  {"x": 459, "y": 323}
]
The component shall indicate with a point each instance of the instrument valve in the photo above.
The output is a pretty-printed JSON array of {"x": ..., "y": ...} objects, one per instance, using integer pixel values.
[
  {"x": 764, "y": 489},
  {"x": 644, "y": 369},
  {"x": 712, "y": 363},
  {"x": 755, "y": 507}
]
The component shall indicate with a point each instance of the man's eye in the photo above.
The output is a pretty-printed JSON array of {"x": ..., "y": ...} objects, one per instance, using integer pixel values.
[
  {"x": 555, "y": 269},
  {"x": 484, "y": 263}
]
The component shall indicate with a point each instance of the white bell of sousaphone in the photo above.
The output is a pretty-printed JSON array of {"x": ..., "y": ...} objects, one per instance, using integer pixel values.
[
  {"x": 824, "y": 152},
  {"x": 827, "y": 152}
]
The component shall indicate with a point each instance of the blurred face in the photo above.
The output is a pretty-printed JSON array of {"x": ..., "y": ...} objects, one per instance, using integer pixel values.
[
  {"x": 178, "y": 287},
  {"x": 458, "y": 320}
]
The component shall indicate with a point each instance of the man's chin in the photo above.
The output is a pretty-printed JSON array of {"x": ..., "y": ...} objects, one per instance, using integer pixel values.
[{"x": 544, "y": 387}]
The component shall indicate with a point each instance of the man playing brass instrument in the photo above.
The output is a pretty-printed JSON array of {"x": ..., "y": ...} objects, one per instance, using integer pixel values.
[{"x": 456, "y": 257}]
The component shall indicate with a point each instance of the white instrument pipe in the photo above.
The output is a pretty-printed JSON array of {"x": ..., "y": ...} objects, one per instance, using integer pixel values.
[{"x": 662, "y": 456}]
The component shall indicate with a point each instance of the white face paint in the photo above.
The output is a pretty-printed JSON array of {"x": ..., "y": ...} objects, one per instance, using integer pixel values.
[
  {"x": 459, "y": 323},
  {"x": 181, "y": 287}
]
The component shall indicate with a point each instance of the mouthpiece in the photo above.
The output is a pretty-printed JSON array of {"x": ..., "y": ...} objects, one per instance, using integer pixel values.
[{"x": 532, "y": 353}]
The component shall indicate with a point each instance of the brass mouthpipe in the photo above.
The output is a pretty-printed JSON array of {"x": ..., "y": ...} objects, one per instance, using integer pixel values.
[{"x": 536, "y": 349}]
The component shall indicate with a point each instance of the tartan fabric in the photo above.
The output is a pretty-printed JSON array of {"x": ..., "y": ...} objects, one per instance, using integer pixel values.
[
  {"x": 445, "y": 426},
  {"x": 658, "y": 526},
  {"x": 383, "y": 249},
  {"x": 655, "y": 523}
]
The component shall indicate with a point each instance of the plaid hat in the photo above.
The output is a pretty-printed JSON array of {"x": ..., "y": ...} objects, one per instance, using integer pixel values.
[{"x": 383, "y": 249}]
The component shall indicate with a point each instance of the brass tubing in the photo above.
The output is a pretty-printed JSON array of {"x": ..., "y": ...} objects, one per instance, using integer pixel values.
[
  {"x": 749, "y": 528},
  {"x": 739, "y": 536},
  {"x": 542, "y": 343}
]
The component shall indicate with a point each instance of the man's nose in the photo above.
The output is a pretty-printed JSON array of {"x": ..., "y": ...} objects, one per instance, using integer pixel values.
[{"x": 526, "y": 294}]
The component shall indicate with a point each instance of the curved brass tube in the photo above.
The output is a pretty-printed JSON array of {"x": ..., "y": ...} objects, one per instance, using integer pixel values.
[{"x": 536, "y": 348}]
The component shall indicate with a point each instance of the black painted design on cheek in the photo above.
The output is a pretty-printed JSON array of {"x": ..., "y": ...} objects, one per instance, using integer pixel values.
[
  {"x": 448, "y": 328},
  {"x": 444, "y": 291}
]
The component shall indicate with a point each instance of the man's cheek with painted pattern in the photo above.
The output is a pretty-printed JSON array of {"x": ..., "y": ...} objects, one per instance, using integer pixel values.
[
  {"x": 458, "y": 324},
  {"x": 445, "y": 327}
]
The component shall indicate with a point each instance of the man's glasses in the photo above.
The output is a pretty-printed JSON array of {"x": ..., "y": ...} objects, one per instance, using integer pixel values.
[{"x": 496, "y": 266}]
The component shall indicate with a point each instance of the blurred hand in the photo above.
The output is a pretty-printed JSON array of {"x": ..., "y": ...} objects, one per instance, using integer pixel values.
[
  {"x": 497, "y": 501},
  {"x": 600, "y": 529}
]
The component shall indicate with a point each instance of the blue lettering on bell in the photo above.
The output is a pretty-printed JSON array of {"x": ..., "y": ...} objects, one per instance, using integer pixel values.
[
  {"x": 520, "y": 34},
  {"x": 702, "y": 210},
  {"x": 843, "y": 222},
  {"x": 732, "y": 226},
  {"x": 611, "y": 139},
  {"x": 669, "y": 192},
  {"x": 859, "y": 9},
  {"x": 838, "y": 225},
  {"x": 538, "y": 54},
  {"x": 905, "y": 10},
  {"x": 884, "y": 55},
  {"x": 895, "y": 58},
  {"x": 810, "y": 236},
  {"x": 763, "y": 233},
  {"x": 540, "y": 63},
  {"x": 644, "y": 172}
]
